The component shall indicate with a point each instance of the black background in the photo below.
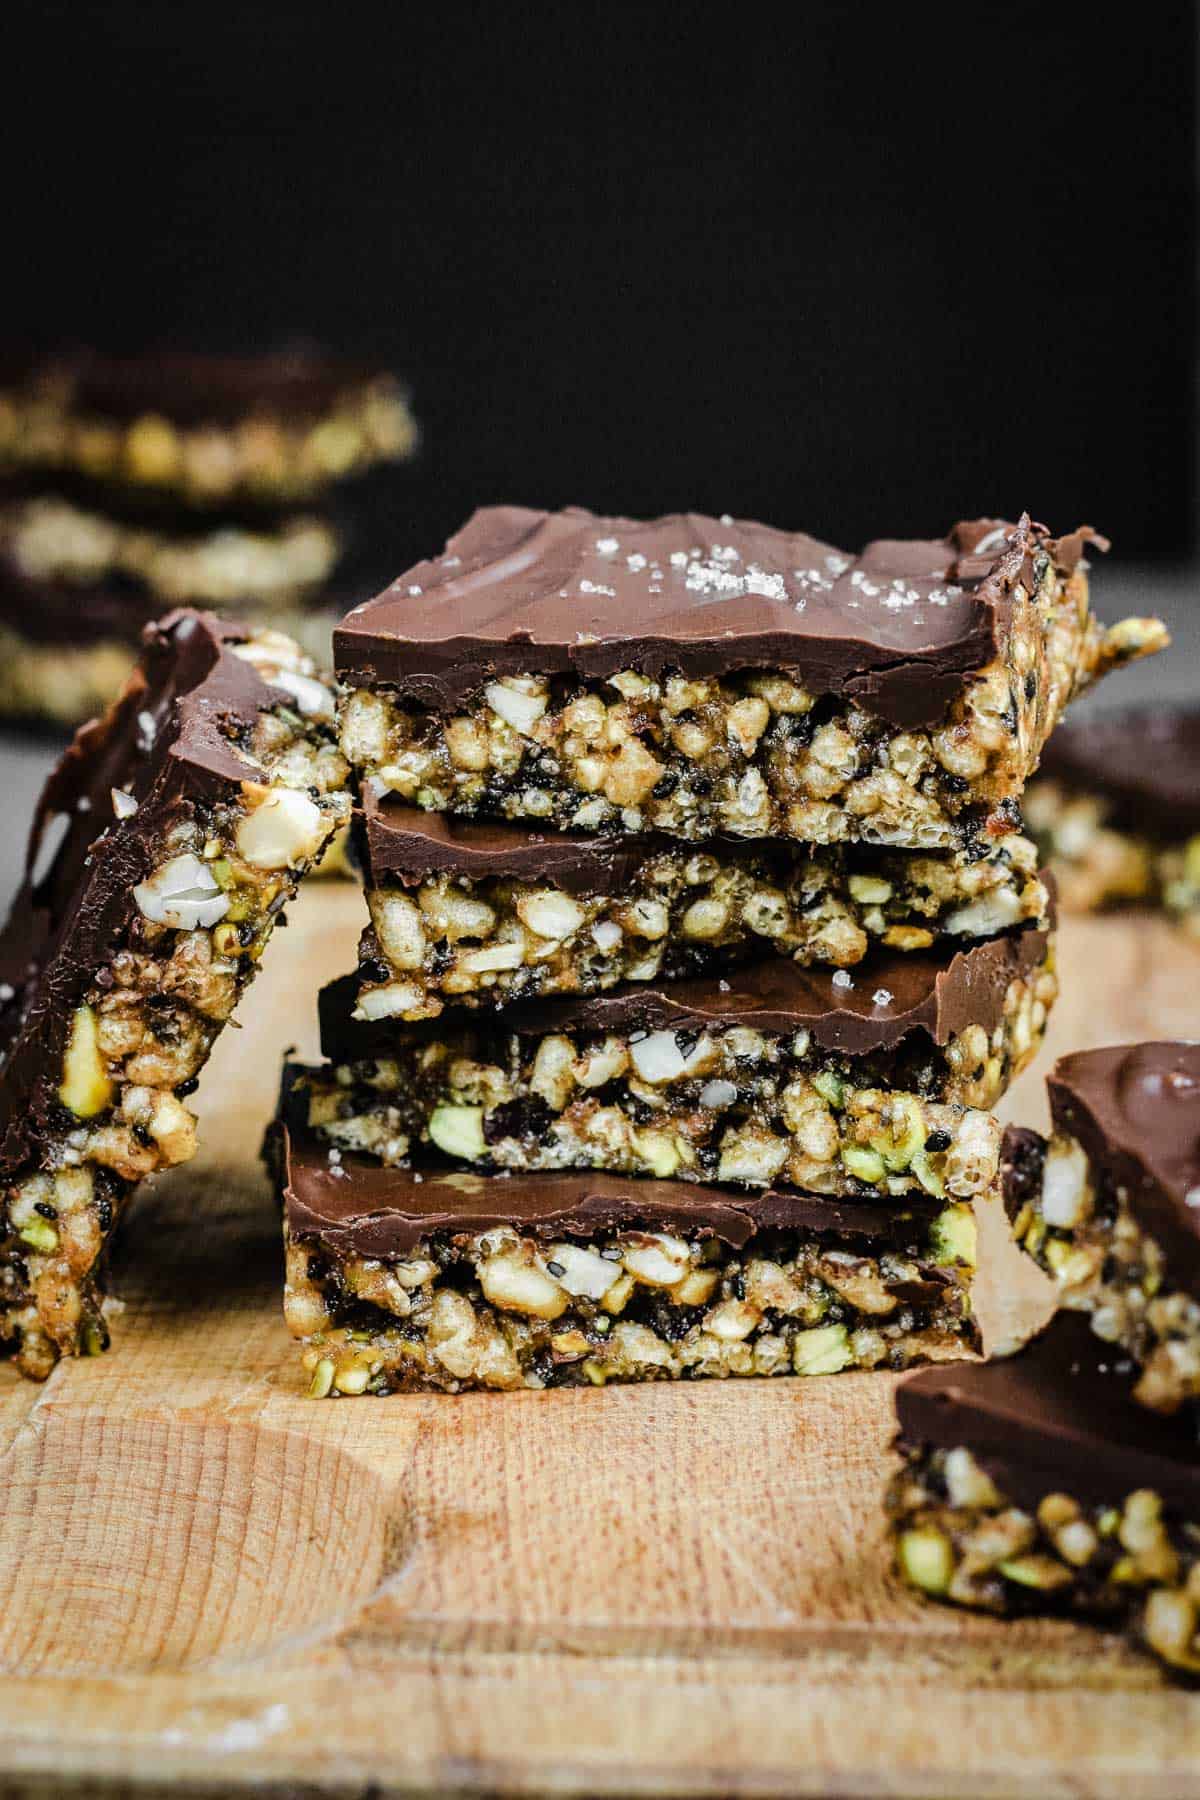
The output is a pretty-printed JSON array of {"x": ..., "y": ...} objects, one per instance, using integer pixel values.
[{"x": 852, "y": 268}]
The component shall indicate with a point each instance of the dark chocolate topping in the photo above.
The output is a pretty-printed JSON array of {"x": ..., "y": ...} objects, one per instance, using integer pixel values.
[
  {"x": 938, "y": 994},
  {"x": 194, "y": 388},
  {"x": 1059, "y": 1417},
  {"x": 166, "y": 742},
  {"x": 358, "y": 1207},
  {"x": 1145, "y": 762},
  {"x": 899, "y": 629},
  {"x": 1135, "y": 1108}
]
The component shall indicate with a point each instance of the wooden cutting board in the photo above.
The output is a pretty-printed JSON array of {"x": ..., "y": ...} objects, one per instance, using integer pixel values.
[{"x": 209, "y": 1582}]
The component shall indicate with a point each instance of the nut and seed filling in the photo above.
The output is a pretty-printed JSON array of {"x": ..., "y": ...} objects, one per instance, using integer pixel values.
[
  {"x": 63, "y": 682},
  {"x": 1078, "y": 1226},
  {"x": 501, "y": 1310},
  {"x": 1099, "y": 862},
  {"x": 958, "y": 1538},
  {"x": 731, "y": 1105},
  {"x": 450, "y": 939},
  {"x": 49, "y": 539},
  {"x": 754, "y": 754},
  {"x": 142, "y": 1028},
  {"x": 265, "y": 457}
]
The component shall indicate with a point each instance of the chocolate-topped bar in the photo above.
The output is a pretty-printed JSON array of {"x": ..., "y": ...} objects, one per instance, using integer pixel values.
[
  {"x": 471, "y": 913},
  {"x": 868, "y": 1085},
  {"x": 700, "y": 676},
  {"x": 199, "y": 430},
  {"x": 165, "y": 844},
  {"x": 78, "y": 588},
  {"x": 1110, "y": 1206},
  {"x": 1037, "y": 1483},
  {"x": 1116, "y": 808},
  {"x": 402, "y": 1280}
]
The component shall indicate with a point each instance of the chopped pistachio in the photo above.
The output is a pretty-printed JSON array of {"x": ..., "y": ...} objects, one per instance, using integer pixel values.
[
  {"x": 926, "y": 1558},
  {"x": 952, "y": 1236},
  {"x": 822, "y": 1351},
  {"x": 458, "y": 1130}
]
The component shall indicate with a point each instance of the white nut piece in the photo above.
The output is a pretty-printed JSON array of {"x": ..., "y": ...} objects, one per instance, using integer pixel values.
[
  {"x": 655, "y": 1258},
  {"x": 718, "y": 1093},
  {"x": 582, "y": 1272},
  {"x": 394, "y": 1001},
  {"x": 1065, "y": 1184},
  {"x": 553, "y": 1075},
  {"x": 606, "y": 934},
  {"x": 751, "y": 1155},
  {"x": 313, "y": 699},
  {"x": 284, "y": 829},
  {"x": 519, "y": 1286},
  {"x": 650, "y": 919},
  {"x": 490, "y": 959},
  {"x": 984, "y": 917},
  {"x": 657, "y": 1057},
  {"x": 515, "y": 705},
  {"x": 967, "y": 1484},
  {"x": 603, "y": 1063},
  {"x": 364, "y": 729},
  {"x": 705, "y": 919},
  {"x": 733, "y": 1320},
  {"x": 550, "y": 913},
  {"x": 182, "y": 892},
  {"x": 398, "y": 926}
]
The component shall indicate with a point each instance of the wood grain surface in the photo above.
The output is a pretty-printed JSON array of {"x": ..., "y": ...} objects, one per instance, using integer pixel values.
[{"x": 210, "y": 1584}]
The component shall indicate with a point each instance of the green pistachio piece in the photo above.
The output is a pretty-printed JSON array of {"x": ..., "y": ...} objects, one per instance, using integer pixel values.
[
  {"x": 831, "y": 1087},
  {"x": 866, "y": 1165},
  {"x": 40, "y": 1235},
  {"x": 458, "y": 1130},
  {"x": 926, "y": 1558},
  {"x": 822, "y": 1351},
  {"x": 927, "y": 1175},
  {"x": 952, "y": 1236}
]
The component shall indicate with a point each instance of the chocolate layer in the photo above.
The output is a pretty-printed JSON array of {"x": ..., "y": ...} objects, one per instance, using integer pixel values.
[
  {"x": 170, "y": 742},
  {"x": 405, "y": 844},
  {"x": 1060, "y": 1417},
  {"x": 899, "y": 629},
  {"x": 1135, "y": 1108},
  {"x": 195, "y": 388},
  {"x": 938, "y": 994},
  {"x": 1145, "y": 762},
  {"x": 357, "y": 1207},
  {"x": 69, "y": 612}
]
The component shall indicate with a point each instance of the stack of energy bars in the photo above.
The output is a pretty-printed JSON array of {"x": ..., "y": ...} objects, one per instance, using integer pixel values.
[
  {"x": 704, "y": 936},
  {"x": 129, "y": 485}
]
